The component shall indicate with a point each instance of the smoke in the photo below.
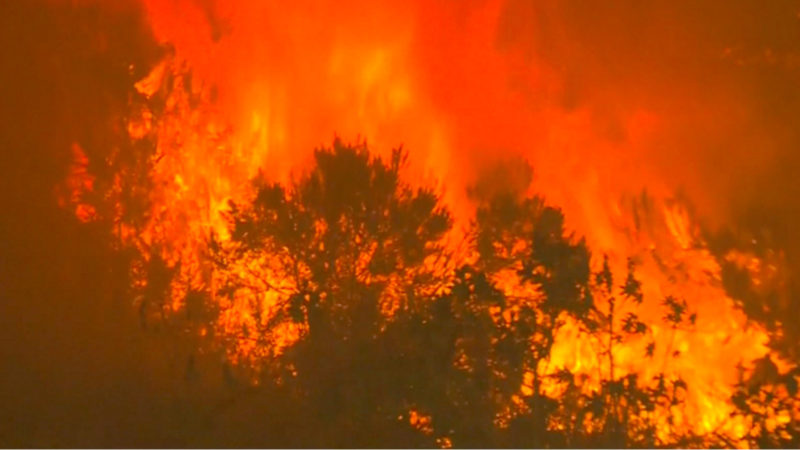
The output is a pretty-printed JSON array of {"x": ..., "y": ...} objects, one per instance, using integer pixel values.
[
  {"x": 719, "y": 78},
  {"x": 718, "y": 85}
]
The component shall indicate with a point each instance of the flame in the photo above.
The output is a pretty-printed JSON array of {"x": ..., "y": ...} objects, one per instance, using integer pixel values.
[
  {"x": 255, "y": 86},
  {"x": 78, "y": 184}
]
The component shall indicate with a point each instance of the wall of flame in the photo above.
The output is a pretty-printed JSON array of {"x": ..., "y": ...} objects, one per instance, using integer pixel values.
[{"x": 463, "y": 85}]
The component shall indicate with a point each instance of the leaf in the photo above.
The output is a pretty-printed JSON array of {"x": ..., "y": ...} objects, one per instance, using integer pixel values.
[
  {"x": 632, "y": 325},
  {"x": 632, "y": 287}
]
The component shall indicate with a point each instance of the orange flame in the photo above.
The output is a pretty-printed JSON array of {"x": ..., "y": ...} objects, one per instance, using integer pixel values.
[{"x": 272, "y": 80}]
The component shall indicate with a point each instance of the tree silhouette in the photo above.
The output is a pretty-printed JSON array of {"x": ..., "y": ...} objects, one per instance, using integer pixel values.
[
  {"x": 767, "y": 400},
  {"x": 394, "y": 346},
  {"x": 352, "y": 247},
  {"x": 523, "y": 244},
  {"x": 341, "y": 306}
]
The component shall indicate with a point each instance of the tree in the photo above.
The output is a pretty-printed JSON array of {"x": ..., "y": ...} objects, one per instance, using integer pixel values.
[
  {"x": 339, "y": 301},
  {"x": 394, "y": 345},
  {"x": 347, "y": 249},
  {"x": 767, "y": 401},
  {"x": 523, "y": 245}
]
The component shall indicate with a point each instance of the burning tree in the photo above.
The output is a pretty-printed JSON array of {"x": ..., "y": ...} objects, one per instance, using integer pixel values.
[
  {"x": 343, "y": 292},
  {"x": 351, "y": 305},
  {"x": 340, "y": 291}
]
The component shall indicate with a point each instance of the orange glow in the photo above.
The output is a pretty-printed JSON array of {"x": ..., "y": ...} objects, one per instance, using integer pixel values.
[
  {"x": 79, "y": 182},
  {"x": 255, "y": 86}
]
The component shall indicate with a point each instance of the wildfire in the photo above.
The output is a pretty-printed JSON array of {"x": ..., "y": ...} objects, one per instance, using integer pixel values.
[{"x": 252, "y": 87}]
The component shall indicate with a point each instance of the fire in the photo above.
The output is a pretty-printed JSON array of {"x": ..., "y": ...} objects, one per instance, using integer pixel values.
[
  {"x": 79, "y": 182},
  {"x": 674, "y": 261},
  {"x": 252, "y": 87}
]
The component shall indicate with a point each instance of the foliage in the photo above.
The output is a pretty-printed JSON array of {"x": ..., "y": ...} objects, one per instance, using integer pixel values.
[{"x": 353, "y": 311}]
